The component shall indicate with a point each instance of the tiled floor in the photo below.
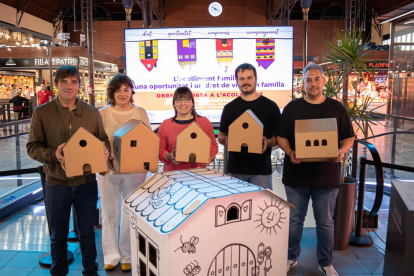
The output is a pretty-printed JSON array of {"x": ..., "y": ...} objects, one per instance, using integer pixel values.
[{"x": 24, "y": 237}]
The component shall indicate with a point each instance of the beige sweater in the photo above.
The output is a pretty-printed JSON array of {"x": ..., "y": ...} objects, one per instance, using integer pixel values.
[{"x": 113, "y": 119}]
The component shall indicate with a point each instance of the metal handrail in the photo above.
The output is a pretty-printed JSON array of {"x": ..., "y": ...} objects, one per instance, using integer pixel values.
[{"x": 379, "y": 172}]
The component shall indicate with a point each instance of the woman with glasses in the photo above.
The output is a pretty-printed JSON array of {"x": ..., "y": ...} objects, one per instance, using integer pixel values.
[
  {"x": 185, "y": 114},
  {"x": 115, "y": 185}
]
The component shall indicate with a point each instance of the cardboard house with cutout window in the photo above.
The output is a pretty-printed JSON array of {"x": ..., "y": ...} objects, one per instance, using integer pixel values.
[
  {"x": 246, "y": 131},
  {"x": 316, "y": 140},
  {"x": 136, "y": 147},
  {"x": 84, "y": 153},
  {"x": 193, "y": 145},
  {"x": 202, "y": 222}
]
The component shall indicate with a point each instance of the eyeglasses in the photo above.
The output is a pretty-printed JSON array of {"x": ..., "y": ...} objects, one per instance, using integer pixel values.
[{"x": 186, "y": 100}]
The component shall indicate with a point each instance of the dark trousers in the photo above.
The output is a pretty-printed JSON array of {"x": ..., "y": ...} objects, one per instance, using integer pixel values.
[{"x": 59, "y": 200}]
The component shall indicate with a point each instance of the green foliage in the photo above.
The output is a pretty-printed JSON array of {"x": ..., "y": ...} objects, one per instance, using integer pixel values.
[{"x": 349, "y": 55}]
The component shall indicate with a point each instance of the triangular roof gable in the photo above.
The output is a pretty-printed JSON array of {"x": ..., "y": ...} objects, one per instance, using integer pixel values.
[
  {"x": 315, "y": 125},
  {"x": 191, "y": 128},
  {"x": 128, "y": 126},
  {"x": 81, "y": 131},
  {"x": 250, "y": 113},
  {"x": 167, "y": 199}
]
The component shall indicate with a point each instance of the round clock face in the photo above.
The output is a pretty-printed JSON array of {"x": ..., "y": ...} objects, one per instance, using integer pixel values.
[{"x": 215, "y": 9}]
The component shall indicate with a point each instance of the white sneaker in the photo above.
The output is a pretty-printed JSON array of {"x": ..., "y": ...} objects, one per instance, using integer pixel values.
[
  {"x": 329, "y": 270},
  {"x": 290, "y": 264}
]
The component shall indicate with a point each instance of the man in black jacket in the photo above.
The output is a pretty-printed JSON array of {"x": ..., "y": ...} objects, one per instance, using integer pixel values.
[{"x": 18, "y": 100}]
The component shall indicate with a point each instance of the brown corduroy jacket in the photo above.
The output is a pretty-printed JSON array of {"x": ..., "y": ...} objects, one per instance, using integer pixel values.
[{"x": 52, "y": 125}]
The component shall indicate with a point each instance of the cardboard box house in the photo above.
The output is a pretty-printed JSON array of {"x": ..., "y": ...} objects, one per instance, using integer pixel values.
[
  {"x": 136, "y": 147},
  {"x": 201, "y": 222},
  {"x": 246, "y": 131},
  {"x": 84, "y": 153},
  {"x": 193, "y": 145},
  {"x": 316, "y": 140}
]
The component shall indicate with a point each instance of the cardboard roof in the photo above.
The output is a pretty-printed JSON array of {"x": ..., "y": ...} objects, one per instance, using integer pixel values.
[
  {"x": 315, "y": 125},
  {"x": 127, "y": 127},
  {"x": 167, "y": 199},
  {"x": 257, "y": 120}
]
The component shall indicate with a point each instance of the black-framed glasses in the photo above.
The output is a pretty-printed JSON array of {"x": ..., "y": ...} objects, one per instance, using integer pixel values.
[{"x": 186, "y": 100}]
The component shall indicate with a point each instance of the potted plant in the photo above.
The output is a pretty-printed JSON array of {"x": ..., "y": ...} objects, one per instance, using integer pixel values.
[{"x": 349, "y": 55}]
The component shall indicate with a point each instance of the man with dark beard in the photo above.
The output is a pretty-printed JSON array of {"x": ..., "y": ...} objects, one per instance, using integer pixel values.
[{"x": 251, "y": 167}]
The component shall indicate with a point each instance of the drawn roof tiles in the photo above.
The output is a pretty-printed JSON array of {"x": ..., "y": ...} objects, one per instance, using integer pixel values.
[{"x": 167, "y": 199}]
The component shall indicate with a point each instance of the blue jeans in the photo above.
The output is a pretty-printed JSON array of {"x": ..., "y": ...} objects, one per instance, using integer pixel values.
[
  {"x": 262, "y": 180},
  {"x": 323, "y": 203},
  {"x": 58, "y": 201}
]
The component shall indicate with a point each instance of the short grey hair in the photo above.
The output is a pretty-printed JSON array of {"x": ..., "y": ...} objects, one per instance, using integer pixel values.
[{"x": 312, "y": 66}]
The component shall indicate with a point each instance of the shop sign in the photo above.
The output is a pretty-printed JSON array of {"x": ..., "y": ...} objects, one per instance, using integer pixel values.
[
  {"x": 377, "y": 65},
  {"x": 63, "y": 36},
  {"x": 98, "y": 66},
  {"x": 44, "y": 62}
]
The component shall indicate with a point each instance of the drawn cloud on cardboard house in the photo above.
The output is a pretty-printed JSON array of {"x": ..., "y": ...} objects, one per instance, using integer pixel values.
[{"x": 167, "y": 199}]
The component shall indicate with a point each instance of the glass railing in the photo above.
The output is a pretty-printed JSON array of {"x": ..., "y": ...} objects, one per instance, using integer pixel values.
[{"x": 13, "y": 139}]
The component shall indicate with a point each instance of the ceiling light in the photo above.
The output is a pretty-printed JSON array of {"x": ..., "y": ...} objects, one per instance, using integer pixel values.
[
  {"x": 17, "y": 43},
  {"x": 10, "y": 62},
  {"x": 409, "y": 22},
  {"x": 31, "y": 38},
  {"x": 9, "y": 49},
  {"x": 1, "y": 32}
]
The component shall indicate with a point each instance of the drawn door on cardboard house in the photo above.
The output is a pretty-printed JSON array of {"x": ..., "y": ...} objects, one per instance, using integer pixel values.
[
  {"x": 234, "y": 260},
  {"x": 148, "y": 255}
]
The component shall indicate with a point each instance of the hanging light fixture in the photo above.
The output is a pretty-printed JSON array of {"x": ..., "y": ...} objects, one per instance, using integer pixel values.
[
  {"x": 1, "y": 32},
  {"x": 10, "y": 62},
  {"x": 128, "y": 4}
]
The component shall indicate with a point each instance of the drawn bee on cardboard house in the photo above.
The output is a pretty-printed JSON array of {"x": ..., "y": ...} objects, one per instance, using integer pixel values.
[{"x": 202, "y": 222}]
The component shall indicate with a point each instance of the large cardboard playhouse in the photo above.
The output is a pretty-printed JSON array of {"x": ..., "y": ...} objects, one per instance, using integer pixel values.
[
  {"x": 136, "y": 147},
  {"x": 246, "y": 130},
  {"x": 316, "y": 140},
  {"x": 84, "y": 153},
  {"x": 193, "y": 145},
  {"x": 202, "y": 222}
]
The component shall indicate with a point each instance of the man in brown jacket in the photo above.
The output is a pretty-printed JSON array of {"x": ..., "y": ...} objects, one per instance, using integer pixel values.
[{"x": 52, "y": 125}]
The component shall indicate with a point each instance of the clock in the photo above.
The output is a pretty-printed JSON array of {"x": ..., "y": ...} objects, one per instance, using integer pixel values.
[{"x": 215, "y": 9}]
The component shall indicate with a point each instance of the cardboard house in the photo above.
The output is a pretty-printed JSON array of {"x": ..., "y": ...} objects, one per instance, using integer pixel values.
[
  {"x": 246, "y": 131},
  {"x": 316, "y": 140},
  {"x": 202, "y": 222},
  {"x": 193, "y": 145},
  {"x": 136, "y": 148},
  {"x": 84, "y": 153}
]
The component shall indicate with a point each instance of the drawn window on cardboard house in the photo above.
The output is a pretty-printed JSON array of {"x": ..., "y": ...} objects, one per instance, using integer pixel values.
[
  {"x": 193, "y": 145},
  {"x": 84, "y": 153},
  {"x": 233, "y": 213},
  {"x": 148, "y": 254},
  {"x": 246, "y": 131},
  {"x": 136, "y": 148}
]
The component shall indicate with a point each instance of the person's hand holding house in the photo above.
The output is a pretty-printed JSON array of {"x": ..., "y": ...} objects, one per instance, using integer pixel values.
[
  {"x": 109, "y": 159},
  {"x": 171, "y": 157},
  {"x": 60, "y": 157}
]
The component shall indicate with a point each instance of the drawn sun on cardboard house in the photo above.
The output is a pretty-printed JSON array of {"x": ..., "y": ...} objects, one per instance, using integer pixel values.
[
  {"x": 136, "y": 147},
  {"x": 316, "y": 140},
  {"x": 84, "y": 153},
  {"x": 246, "y": 131},
  {"x": 201, "y": 222},
  {"x": 193, "y": 145}
]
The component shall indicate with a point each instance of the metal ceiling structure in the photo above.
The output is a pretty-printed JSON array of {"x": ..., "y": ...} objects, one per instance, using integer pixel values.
[{"x": 152, "y": 12}]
